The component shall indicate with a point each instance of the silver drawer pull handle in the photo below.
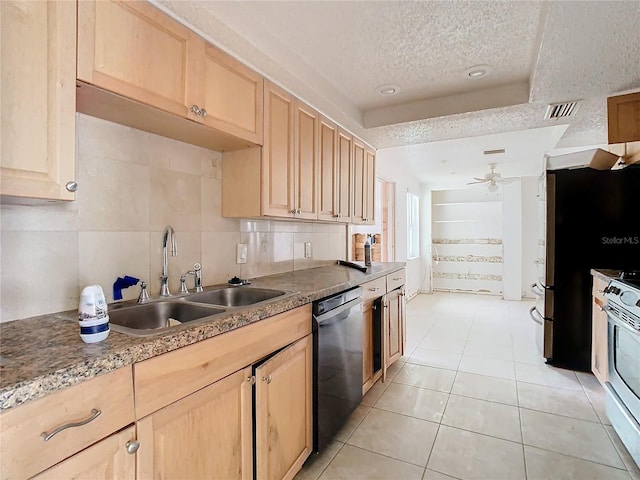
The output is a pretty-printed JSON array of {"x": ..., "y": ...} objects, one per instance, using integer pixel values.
[
  {"x": 374, "y": 289},
  {"x": 48, "y": 436},
  {"x": 397, "y": 278}
]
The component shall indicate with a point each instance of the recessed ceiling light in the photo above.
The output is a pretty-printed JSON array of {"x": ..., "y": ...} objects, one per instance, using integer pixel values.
[
  {"x": 388, "y": 90},
  {"x": 478, "y": 71}
]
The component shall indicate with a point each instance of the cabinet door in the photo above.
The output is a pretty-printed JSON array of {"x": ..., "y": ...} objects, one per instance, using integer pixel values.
[
  {"x": 37, "y": 152},
  {"x": 369, "y": 187},
  {"x": 306, "y": 161},
  {"x": 108, "y": 459},
  {"x": 230, "y": 92},
  {"x": 358, "y": 206},
  {"x": 394, "y": 331},
  {"x": 135, "y": 50},
  {"x": 203, "y": 436},
  {"x": 328, "y": 176},
  {"x": 623, "y": 116},
  {"x": 284, "y": 411},
  {"x": 277, "y": 153},
  {"x": 344, "y": 176},
  {"x": 599, "y": 332}
]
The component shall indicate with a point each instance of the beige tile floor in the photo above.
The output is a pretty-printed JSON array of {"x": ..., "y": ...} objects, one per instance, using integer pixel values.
[{"x": 472, "y": 399}]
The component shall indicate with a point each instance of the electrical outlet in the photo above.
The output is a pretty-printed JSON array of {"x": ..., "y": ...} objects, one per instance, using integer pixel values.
[
  {"x": 307, "y": 249},
  {"x": 241, "y": 253}
]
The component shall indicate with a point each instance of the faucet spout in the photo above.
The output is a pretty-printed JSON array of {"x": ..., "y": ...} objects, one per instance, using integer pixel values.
[{"x": 168, "y": 236}]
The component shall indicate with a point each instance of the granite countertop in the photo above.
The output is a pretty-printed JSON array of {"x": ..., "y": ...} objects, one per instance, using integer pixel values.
[{"x": 43, "y": 354}]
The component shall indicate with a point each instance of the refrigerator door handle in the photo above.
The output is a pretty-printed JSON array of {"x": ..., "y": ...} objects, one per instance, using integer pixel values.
[
  {"x": 535, "y": 289},
  {"x": 535, "y": 316}
]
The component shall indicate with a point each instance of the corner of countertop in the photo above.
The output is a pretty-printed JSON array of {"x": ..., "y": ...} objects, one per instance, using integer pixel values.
[{"x": 605, "y": 274}]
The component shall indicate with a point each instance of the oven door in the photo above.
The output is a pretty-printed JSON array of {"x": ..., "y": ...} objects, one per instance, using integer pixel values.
[
  {"x": 622, "y": 390},
  {"x": 624, "y": 359}
]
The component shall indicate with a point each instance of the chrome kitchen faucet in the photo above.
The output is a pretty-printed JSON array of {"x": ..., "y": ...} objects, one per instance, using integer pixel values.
[{"x": 169, "y": 235}]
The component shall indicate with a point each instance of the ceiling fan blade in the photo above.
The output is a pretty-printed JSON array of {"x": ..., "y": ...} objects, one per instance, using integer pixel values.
[
  {"x": 477, "y": 183},
  {"x": 481, "y": 179}
]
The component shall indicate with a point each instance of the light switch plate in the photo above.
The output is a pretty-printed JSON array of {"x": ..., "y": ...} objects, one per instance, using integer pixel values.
[
  {"x": 241, "y": 253},
  {"x": 307, "y": 249}
]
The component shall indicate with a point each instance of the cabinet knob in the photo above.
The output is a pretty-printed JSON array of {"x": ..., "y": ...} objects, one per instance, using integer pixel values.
[
  {"x": 71, "y": 186},
  {"x": 374, "y": 289},
  {"x": 251, "y": 379},
  {"x": 292, "y": 212},
  {"x": 195, "y": 109},
  {"x": 203, "y": 112},
  {"x": 132, "y": 446},
  {"x": 267, "y": 379}
]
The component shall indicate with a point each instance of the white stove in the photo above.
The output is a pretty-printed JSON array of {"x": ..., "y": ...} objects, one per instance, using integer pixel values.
[{"x": 623, "y": 387}]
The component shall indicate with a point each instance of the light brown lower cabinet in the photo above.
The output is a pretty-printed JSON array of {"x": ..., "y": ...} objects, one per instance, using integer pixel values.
[
  {"x": 284, "y": 415},
  {"x": 108, "y": 459},
  {"x": 599, "y": 332},
  {"x": 209, "y": 434},
  {"x": 394, "y": 328},
  {"x": 372, "y": 310},
  {"x": 203, "y": 436}
]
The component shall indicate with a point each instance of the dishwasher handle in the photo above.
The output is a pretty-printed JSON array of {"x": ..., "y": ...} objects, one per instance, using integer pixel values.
[{"x": 336, "y": 311}]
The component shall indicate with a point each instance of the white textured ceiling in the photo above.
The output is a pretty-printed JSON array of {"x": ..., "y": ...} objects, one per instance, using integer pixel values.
[{"x": 334, "y": 55}]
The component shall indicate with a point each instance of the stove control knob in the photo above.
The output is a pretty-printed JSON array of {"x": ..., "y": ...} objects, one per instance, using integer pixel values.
[{"x": 615, "y": 290}]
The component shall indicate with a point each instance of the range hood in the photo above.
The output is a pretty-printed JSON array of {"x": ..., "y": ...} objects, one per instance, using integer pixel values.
[{"x": 595, "y": 158}]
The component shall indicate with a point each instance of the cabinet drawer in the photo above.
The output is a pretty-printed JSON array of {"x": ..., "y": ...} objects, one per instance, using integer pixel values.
[
  {"x": 374, "y": 289},
  {"x": 23, "y": 449},
  {"x": 395, "y": 280},
  {"x": 167, "y": 378}
]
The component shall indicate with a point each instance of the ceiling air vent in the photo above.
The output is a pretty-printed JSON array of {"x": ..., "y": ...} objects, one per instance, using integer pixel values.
[{"x": 559, "y": 110}]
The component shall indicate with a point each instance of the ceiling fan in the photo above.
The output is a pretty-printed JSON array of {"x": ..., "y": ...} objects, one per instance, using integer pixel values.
[{"x": 491, "y": 179}]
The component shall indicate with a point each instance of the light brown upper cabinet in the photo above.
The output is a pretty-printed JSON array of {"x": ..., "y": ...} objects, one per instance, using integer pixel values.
[
  {"x": 278, "y": 174},
  {"x": 327, "y": 158},
  {"x": 228, "y": 93},
  {"x": 370, "y": 186},
  {"x": 281, "y": 179},
  {"x": 135, "y": 51},
  {"x": 37, "y": 153},
  {"x": 623, "y": 115},
  {"x": 306, "y": 161},
  {"x": 363, "y": 184},
  {"x": 344, "y": 176}
]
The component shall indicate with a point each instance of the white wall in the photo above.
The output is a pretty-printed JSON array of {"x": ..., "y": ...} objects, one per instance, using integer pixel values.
[
  {"x": 388, "y": 169},
  {"x": 132, "y": 184}
]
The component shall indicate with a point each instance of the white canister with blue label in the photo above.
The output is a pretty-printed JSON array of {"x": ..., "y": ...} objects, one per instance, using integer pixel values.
[{"x": 93, "y": 316}]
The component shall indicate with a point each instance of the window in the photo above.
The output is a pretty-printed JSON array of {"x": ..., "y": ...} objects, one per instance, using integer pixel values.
[{"x": 413, "y": 226}]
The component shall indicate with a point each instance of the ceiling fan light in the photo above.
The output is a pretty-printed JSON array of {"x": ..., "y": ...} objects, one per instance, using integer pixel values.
[{"x": 492, "y": 187}]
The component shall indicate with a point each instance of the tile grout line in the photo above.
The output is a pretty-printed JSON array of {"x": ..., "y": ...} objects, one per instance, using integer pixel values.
[{"x": 524, "y": 456}]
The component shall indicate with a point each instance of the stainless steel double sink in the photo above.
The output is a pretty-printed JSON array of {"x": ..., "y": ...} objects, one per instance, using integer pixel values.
[{"x": 163, "y": 314}]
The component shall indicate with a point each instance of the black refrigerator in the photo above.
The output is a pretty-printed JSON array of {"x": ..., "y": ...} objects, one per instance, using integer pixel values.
[{"x": 592, "y": 222}]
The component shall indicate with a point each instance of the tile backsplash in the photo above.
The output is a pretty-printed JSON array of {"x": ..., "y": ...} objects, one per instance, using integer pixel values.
[{"x": 131, "y": 185}]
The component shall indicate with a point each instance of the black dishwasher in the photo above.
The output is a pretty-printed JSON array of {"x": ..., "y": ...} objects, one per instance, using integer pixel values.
[{"x": 337, "y": 327}]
